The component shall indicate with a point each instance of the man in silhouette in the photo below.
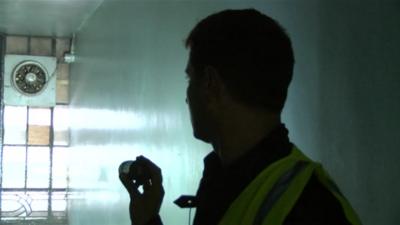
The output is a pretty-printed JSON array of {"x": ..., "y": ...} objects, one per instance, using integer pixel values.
[{"x": 239, "y": 69}]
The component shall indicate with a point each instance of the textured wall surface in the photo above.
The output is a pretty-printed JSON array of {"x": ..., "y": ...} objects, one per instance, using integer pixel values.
[
  {"x": 359, "y": 99},
  {"x": 58, "y": 18},
  {"x": 343, "y": 105},
  {"x": 2, "y": 49},
  {"x": 128, "y": 92}
]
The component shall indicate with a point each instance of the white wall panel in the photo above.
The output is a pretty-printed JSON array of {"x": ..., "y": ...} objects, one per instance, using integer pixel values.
[{"x": 128, "y": 93}]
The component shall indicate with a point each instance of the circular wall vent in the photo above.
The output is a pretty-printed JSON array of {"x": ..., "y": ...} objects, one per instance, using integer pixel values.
[{"x": 29, "y": 78}]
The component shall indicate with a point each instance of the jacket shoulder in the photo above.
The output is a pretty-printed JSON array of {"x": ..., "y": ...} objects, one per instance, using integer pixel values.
[{"x": 316, "y": 206}]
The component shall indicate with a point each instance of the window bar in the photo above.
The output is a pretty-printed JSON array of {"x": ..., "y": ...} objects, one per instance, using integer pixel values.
[
  {"x": 27, "y": 129},
  {"x": 26, "y": 148},
  {"x": 29, "y": 145},
  {"x": 33, "y": 145},
  {"x": 51, "y": 137},
  {"x": 37, "y": 189},
  {"x": 51, "y": 142}
]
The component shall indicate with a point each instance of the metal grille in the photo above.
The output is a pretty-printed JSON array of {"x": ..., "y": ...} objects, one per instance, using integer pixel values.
[{"x": 27, "y": 205}]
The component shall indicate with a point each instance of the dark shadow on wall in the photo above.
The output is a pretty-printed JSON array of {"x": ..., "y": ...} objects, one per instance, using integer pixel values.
[
  {"x": 2, "y": 50},
  {"x": 359, "y": 87}
]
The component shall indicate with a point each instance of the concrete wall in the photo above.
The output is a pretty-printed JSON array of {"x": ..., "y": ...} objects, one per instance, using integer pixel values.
[{"x": 128, "y": 92}]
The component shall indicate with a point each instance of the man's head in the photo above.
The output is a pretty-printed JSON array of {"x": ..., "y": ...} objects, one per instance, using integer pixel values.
[{"x": 248, "y": 52}]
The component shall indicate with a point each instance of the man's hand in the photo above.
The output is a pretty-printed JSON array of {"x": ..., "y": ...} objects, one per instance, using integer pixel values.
[{"x": 145, "y": 206}]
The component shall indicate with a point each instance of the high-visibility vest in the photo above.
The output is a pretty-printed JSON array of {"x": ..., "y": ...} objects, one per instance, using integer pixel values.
[{"x": 269, "y": 198}]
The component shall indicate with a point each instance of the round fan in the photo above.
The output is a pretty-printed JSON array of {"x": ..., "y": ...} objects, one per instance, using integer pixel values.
[{"x": 30, "y": 78}]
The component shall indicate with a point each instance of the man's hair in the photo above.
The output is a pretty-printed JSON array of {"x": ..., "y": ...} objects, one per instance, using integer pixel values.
[{"x": 252, "y": 53}]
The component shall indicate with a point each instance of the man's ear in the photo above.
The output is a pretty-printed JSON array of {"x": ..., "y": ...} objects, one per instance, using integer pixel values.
[{"x": 212, "y": 81}]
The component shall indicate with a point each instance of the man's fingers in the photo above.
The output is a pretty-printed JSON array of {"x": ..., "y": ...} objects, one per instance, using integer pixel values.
[
  {"x": 131, "y": 187},
  {"x": 153, "y": 186},
  {"x": 134, "y": 193},
  {"x": 153, "y": 170}
]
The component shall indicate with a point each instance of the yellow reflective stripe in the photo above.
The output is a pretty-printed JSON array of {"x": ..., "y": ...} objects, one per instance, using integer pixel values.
[
  {"x": 277, "y": 191},
  {"x": 243, "y": 210},
  {"x": 284, "y": 205},
  {"x": 326, "y": 180}
]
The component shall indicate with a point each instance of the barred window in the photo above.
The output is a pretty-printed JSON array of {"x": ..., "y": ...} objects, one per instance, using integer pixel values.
[
  {"x": 34, "y": 164},
  {"x": 34, "y": 144}
]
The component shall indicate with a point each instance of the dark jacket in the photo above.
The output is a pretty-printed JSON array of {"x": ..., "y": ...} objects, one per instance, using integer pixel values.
[{"x": 220, "y": 186}]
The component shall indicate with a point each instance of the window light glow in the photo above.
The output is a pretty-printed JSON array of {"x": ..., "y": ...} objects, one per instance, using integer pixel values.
[
  {"x": 103, "y": 119},
  {"x": 60, "y": 167},
  {"x": 39, "y": 116},
  {"x": 38, "y": 167},
  {"x": 13, "y": 167},
  {"x": 15, "y": 124},
  {"x": 107, "y": 119}
]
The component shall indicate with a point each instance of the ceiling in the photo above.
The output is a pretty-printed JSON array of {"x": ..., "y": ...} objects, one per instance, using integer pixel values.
[{"x": 58, "y": 18}]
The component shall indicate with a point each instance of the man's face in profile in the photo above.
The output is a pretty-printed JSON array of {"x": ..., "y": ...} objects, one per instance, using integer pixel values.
[{"x": 195, "y": 98}]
